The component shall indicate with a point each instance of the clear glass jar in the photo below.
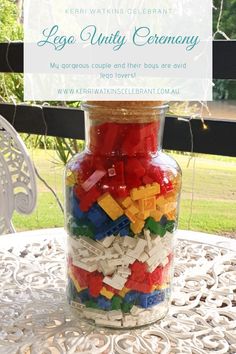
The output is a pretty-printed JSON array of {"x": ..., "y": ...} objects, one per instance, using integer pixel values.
[{"x": 122, "y": 201}]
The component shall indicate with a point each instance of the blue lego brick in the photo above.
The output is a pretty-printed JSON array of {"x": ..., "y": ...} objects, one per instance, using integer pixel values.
[
  {"x": 112, "y": 228},
  {"x": 124, "y": 232},
  {"x": 83, "y": 295},
  {"x": 149, "y": 300},
  {"x": 132, "y": 296},
  {"x": 103, "y": 303},
  {"x": 97, "y": 216},
  {"x": 76, "y": 211}
]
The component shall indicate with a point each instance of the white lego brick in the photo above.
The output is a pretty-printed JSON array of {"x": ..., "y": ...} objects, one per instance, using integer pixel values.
[
  {"x": 129, "y": 242},
  {"x": 90, "y": 267},
  {"x": 148, "y": 239},
  {"x": 144, "y": 257},
  {"x": 124, "y": 271},
  {"x": 77, "y": 305},
  {"x": 117, "y": 248},
  {"x": 165, "y": 262},
  {"x": 138, "y": 250},
  {"x": 110, "y": 254},
  {"x": 115, "y": 315},
  {"x": 135, "y": 310},
  {"x": 128, "y": 260},
  {"x": 106, "y": 268},
  {"x": 116, "y": 281},
  {"x": 155, "y": 250},
  {"x": 91, "y": 245},
  {"x": 108, "y": 323},
  {"x": 107, "y": 241},
  {"x": 94, "y": 313},
  {"x": 129, "y": 321}
]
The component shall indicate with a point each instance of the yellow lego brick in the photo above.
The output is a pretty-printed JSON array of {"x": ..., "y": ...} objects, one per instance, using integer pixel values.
[
  {"x": 75, "y": 281},
  {"x": 160, "y": 202},
  {"x": 137, "y": 226},
  {"x": 169, "y": 207},
  {"x": 147, "y": 204},
  {"x": 131, "y": 211},
  {"x": 171, "y": 197},
  {"x": 171, "y": 215},
  {"x": 133, "y": 208},
  {"x": 161, "y": 287},
  {"x": 143, "y": 215},
  {"x": 145, "y": 191},
  {"x": 123, "y": 292},
  {"x": 131, "y": 216},
  {"x": 108, "y": 294},
  {"x": 71, "y": 179},
  {"x": 126, "y": 202},
  {"x": 110, "y": 206},
  {"x": 156, "y": 215}
]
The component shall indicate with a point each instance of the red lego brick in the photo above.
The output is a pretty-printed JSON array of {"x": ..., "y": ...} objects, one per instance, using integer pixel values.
[
  {"x": 157, "y": 276},
  {"x": 138, "y": 271},
  {"x": 81, "y": 275},
  {"x": 110, "y": 136},
  {"x": 89, "y": 198},
  {"x": 134, "y": 167},
  {"x": 134, "y": 285},
  {"x": 95, "y": 283},
  {"x": 147, "y": 180}
]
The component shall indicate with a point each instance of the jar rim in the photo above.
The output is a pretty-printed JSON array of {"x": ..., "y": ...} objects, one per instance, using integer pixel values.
[{"x": 85, "y": 106}]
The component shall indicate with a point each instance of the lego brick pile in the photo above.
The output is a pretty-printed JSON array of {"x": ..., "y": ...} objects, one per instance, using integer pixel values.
[{"x": 121, "y": 214}]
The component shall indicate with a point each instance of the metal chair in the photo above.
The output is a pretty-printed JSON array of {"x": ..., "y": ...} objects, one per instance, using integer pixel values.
[{"x": 17, "y": 177}]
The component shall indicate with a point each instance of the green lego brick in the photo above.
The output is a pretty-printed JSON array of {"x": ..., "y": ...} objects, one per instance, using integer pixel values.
[
  {"x": 155, "y": 227},
  {"x": 91, "y": 304},
  {"x": 127, "y": 306},
  {"x": 116, "y": 303}
]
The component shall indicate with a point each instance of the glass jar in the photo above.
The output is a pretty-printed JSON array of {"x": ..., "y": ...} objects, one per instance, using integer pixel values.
[{"x": 122, "y": 200}]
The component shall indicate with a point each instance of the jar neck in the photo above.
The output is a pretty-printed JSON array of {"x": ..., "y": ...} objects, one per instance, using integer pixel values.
[{"x": 129, "y": 131}]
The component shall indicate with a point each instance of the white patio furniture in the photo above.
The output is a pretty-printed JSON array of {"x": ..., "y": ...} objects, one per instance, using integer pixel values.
[{"x": 17, "y": 177}]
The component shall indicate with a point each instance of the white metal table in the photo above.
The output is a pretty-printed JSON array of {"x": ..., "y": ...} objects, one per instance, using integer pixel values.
[{"x": 34, "y": 317}]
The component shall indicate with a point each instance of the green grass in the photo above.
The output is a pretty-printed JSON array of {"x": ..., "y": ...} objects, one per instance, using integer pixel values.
[{"x": 209, "y": 186}]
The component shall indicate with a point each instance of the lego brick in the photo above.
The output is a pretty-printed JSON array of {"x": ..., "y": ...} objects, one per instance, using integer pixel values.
[
  {"x": 132, "y": 297},
  {"x": 71, "y": 179},
  {"x": 126, "y": 307},
  {"x": 95, "y": 284},
  {"x": 106, "y": 293},
  {"x": 126, "y": 202},
  {"x": 141, "y": 287},
  {"x": 110, "y": 206},
  {"x": 143, "y": 215},
  {"x": 116, "y": 281},
  {"x": 138, "y": 250},
  {"x": 109, "y": 137},
  {"x": 147, "y": 204},
  {"x": 103, "y": 303},
  {"x": 90, "y": 267},
  {"x": 81, "y": 275},
  {"x": 93, "y": 180},
  {"x": 97, "y": 216},
  {"x": 108, "y": 323},
  {"x": 91, "y": 245},
  {"x": 145, "y": 191},
  {"x": 115, "y": 315},
  {"x": 116, "y": 302},
  {"x": 156, "y": 215},
  {"x": 137, "y": 226},
  {"x": 129, "y": 242},
  {"x": 131, "y": 216},
  {"x": 134, "y": 167},
  {"x": 123, "y": 291},
  {"x": 82, "y": 228},
  {"x": 155, "y": 227},
  {"x": 149, "y": 300},
  {"x": 124, "y": 232},
  {"x": 113, "y": 228},
  {"x": 77, "y": 305},
  {"x": 139, "y": 270},
  {"x": 89, "y": 198},
  {"x": 107, "y": 241},
  {"x": 76, "y": 211}
]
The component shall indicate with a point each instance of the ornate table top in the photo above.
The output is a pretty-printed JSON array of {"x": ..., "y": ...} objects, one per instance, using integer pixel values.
[{"x": 35, "y": 317}]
